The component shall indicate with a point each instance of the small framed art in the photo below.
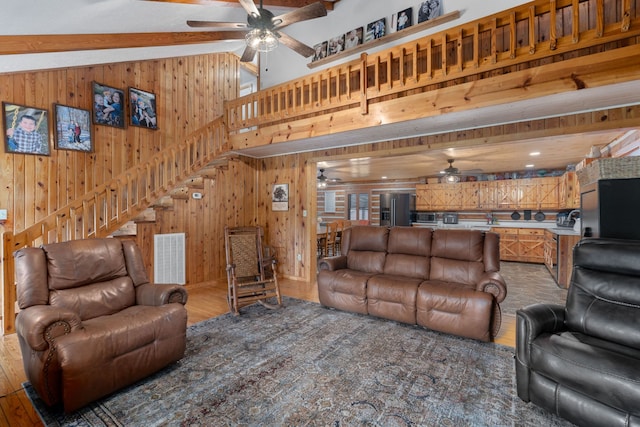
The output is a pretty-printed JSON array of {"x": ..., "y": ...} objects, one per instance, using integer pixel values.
[
  {"x": 320, "y": 50},
  {"x": 73, "y": 128},
  {"x": 280, "y": 197},
  {"x": 142, "y": 109},
  {"x": 429, "y": 9},
  {"x": 108, "y": 106},
  {"x": 26, "y": 129},
  {"x": 353, "y": 38}
]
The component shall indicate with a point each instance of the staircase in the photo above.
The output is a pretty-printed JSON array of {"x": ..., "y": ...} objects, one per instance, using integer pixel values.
[{"x": 169, "y": 174}]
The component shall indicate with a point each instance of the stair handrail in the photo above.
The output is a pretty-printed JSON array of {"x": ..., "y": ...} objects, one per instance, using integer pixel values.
[{"x": 108, "y": 206}]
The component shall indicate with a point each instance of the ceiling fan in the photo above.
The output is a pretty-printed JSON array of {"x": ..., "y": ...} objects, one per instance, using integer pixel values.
[
  {"x": 323, "y": 180},
  {"x": 262, "y": 29}
]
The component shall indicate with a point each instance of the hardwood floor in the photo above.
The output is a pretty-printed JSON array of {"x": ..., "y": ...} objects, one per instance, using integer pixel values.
[{"x": 208, "y": 300}]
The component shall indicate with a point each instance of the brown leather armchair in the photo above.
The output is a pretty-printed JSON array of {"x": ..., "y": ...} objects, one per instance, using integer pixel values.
[{"x": 90, "y": 321}]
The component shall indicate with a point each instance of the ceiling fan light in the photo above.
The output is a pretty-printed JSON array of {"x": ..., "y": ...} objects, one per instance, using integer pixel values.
[
  {"x": 262, "y": 40},
  {"x": 451, "y": 179}
]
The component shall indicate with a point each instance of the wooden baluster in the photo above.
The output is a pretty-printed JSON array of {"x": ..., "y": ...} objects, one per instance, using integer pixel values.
[
  {"x": 553, "y": 12},
  {"x": 512, "y": 35},
  {"x": 364, "y": 106},
  {"x": 443, "y": 52},
  {"x": 476, "y": 45},
  {"x": 414, "y": 65},
  {"x": 459, "y": 51},
  {"x": 532, "y": 28},
  {"x": 494, "y": 48},
  {"x": 430, "y": 58},
  {"x": 575, "y": 25},
  {"x": 626, "y": 15}
]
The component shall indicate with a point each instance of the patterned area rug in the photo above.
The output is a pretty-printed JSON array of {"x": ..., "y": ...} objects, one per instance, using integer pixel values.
[{"x": 305, "y": 365}]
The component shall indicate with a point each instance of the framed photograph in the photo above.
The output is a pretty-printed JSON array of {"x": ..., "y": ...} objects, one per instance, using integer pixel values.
[
  {"x": 336, "y": 45},
  {"x": 429, "y": 9},
  {"x": 376, "y": 29},
  {"x": 26, "y": 129},
  {"x": 280, "y": 197},
  {"x": 353, "y": 38},
  {"x": 108, "y": 106},
  {"x": 321, "y": 50},
  {"x": 73, "y": 128},
  {"x": 142, "y": 108},
  {"x": 402, "y": 19}
]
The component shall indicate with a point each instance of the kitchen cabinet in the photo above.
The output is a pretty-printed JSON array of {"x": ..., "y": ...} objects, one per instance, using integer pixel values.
[
  {"x": 527, "y": 193},
  {"x": 521, "y": 244},
  {"x": 531, "y": 245},
  {"x": 569, "y": 191},
  {"x": 558, "y": 255}
]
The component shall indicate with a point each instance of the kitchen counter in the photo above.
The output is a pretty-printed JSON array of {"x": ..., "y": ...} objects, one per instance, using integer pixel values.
[{"x": 482, "y": 225}]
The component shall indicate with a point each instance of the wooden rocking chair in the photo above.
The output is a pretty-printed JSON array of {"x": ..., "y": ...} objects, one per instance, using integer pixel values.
[{"x": 251, "y": 277}]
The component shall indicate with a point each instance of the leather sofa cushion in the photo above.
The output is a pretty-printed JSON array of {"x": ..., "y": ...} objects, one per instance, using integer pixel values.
[
  {"x": 344, "y": 289},
  {"x": 603, "y": 295},
  {"x": 98, "y": 299},
  {"x": 79, "y": 262},
  {"x": 393, "y": 297},
  {"x": 607, "y": 372},
  {"x": 451, "y": 270},
  {"x": 463, "y": 245},
  {"x": 369, "y": 238},
  {"x": 366, "y": 261},
  {"x": 454, "y": 308},
  {"x": 408, "y": 252}
]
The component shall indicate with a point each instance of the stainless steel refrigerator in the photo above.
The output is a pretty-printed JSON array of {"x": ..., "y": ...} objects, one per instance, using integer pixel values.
[
  {"x": 396, "y": 208},
  {"x": 610, "y": 208}
]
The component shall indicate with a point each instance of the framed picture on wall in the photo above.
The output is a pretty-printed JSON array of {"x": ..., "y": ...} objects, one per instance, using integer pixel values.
[
  {"x": 108, "y": 106},
  {"x": 320, "y": 50},
  {"x": 376, "y": 30},
  {"x": 353, "y": 38},
  {"x": 26, "y": 129},
  {"x": 280, "y": 197},
  {"x": 142, "y": 109},
  {"x": 73, "y": 128},
  {"x": 402, "y": 20},
  {"x": 429, "y": 9}
]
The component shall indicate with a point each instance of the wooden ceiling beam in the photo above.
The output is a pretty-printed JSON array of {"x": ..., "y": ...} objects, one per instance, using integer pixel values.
[
  {"x": 281, "y": 3},
  {"x": 16, "y": 45}
]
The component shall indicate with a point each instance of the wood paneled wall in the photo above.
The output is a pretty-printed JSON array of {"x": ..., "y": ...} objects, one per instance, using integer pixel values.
[{"x": 190, "y": 92}]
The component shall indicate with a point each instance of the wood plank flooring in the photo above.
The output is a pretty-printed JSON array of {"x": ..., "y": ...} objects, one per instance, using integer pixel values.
[{"x": 208, "y": 300}]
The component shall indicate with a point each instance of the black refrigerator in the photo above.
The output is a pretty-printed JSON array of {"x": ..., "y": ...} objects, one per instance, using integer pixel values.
[
  {"x": 396, "y": 208},
  {"x": 611, "y": 208}
]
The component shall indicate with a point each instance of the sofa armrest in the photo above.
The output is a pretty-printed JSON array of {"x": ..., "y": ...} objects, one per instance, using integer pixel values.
[
  {"x": 160, "y": 294},
  {"x": 333, "y": 263},
  {"x": 531, "y": 322},
  {"x": 41, "y": 324},
  {"x": 493, "y": 283}
]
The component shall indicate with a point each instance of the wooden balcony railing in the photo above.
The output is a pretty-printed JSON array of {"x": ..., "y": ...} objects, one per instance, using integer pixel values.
[
  {"x": 527, "y": 33},
  {"x": 109, "y": 206}
]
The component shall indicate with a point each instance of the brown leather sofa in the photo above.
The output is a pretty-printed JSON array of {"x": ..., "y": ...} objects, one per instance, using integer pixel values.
[
  {"x": 446, "y": 280},
  {"x": 90, "y": 322}
]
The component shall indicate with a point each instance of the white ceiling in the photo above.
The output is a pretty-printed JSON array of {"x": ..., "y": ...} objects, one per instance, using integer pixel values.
[{"x": 32, "y": 17}]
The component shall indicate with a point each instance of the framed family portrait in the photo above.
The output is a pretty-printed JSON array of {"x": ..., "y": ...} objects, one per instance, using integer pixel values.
[
  {"x": 108, "y": 106},
  {"x": 142, "y": 109},
  {"x": 320, "y": 50},
  {"x": 72, "y": 128},
  {"x": 429, "y": 9},
  {"x": 353, "y": 38},
  {"x": 26, "y": 129},
  {"x": 402, "y": 20}
]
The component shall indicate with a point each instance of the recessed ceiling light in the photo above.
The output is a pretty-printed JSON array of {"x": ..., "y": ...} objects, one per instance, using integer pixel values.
[
  {"x": 534, "y": 153},
  {"x": 384, "y": 177},
  {"x": 528, "y": 166}
]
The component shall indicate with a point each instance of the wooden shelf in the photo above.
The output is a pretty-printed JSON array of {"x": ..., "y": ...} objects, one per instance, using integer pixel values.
[{"x": 388, "y": 38}]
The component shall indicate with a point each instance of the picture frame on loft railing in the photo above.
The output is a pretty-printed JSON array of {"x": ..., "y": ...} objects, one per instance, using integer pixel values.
[
  {"x": 26, "y": 129},
  {"x": 73, "y": 129},
  {"x": 142, "y": 109}
]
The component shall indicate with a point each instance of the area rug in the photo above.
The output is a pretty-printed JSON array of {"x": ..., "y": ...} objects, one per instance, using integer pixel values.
[{"x": 306, "y": 365}]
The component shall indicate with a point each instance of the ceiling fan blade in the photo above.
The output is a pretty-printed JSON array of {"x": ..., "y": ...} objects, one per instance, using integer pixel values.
[
  {"x": 228, "y": 26},
  {"x": 312, "y": 11},
  {"x": 248, "y": 54},
  {"x": 296, "y": 45},
  {"x": 250, "y": 7}
]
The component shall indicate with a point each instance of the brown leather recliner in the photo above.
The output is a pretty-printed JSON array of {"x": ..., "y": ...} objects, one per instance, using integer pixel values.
[{"x": 90, "y": 321}]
